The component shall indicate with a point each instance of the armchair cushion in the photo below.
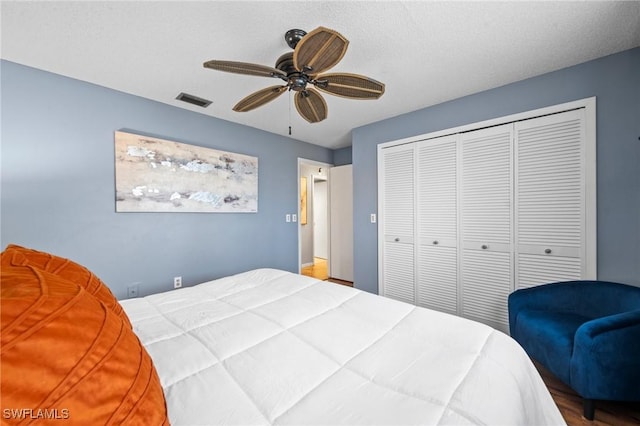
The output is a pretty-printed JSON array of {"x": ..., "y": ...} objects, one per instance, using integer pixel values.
[{"x": 549, "y": 337}]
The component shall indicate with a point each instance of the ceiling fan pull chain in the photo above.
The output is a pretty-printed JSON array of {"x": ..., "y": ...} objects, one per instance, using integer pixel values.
[{"x": 289, "y": 112}]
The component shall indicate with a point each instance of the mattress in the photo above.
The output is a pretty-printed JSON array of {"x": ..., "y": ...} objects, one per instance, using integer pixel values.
[{"x": 268, "y": 347}]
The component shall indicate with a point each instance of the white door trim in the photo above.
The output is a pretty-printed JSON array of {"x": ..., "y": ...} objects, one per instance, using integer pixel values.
[{"x": 307, "y": 161}]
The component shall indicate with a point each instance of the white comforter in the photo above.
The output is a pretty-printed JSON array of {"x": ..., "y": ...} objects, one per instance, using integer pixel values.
[{"x": 271, "y": 347}]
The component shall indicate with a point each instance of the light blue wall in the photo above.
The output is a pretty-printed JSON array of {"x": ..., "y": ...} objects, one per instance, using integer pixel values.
[
  {"x": 342, "y": 156},
  {"x": 58, "y": 186},
  {"x": 614, "y": 80}
]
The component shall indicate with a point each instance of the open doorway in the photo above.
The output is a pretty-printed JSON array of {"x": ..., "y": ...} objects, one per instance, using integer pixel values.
[{"x": 313, "y": 231}]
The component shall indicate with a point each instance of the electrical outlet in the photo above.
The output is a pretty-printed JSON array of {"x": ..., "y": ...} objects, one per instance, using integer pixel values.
[
  {"x": 294, "y": 217},
  {"x": 132, "y": 290},
  {"x": 177, "y": 282}
]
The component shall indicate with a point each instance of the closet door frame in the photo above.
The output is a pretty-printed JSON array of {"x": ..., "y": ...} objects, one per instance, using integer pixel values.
[{"x": 589, "y": 105}]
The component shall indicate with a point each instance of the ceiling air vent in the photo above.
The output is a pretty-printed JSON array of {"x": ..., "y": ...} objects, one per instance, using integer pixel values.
[{"x": 185, "y": 97}]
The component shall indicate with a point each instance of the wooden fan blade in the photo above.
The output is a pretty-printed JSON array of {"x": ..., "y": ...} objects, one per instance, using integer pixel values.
[
  {"x": 319, "y": 50},
  {"x": 259, "y": 98},
  {"x": 352, "y": 86},
  {"x": 311, "y": 105},
  {"x": 244, "y": 68}
]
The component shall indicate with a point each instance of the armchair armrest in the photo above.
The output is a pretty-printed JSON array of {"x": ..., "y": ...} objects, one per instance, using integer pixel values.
[
  {"x": 606, "y": 357},
  {"x": 627, "y": 323}
]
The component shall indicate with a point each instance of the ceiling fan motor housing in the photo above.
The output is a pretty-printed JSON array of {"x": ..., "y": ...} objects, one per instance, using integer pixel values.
[
  {"x": 296, "y": 80},
  {"x": 285, "y": 63}
]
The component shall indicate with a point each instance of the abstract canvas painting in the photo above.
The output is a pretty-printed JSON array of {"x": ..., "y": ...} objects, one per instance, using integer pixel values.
[{"x": 157, "y": 175}]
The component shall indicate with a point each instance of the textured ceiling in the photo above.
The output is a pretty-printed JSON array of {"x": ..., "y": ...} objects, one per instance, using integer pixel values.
[{"x": 425, "y": 52}]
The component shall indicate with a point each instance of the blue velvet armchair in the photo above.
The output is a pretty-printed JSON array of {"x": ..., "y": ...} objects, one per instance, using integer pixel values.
[{"x": 587, "y": 333}]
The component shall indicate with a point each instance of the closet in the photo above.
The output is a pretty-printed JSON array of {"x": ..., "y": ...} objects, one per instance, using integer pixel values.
[{"x": 469, "y": 215}]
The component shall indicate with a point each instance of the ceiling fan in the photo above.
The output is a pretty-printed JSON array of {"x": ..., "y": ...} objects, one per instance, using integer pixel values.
[{"x": 313, "y": 53}]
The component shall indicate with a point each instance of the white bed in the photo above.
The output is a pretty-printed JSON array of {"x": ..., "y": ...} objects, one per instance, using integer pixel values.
[{"x": 271, "y": 347}]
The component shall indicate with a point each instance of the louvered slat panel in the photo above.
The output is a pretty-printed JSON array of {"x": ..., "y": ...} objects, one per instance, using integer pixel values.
[
  {"x": 550, "y": 183},
  {"x": 398, "y": 223},
  {"x": 398, "y": 272},
  {"x": 486, "y": 185},
  {"x": 487, "y": 278},
  {"x": 437, "y": 278},
  {"x": 398, "y": 167},
  {"x": 535, "y": 270},
  {"x": 437, "y": 192}
]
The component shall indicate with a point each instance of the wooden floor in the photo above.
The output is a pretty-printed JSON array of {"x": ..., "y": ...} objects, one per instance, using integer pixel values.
[
  {"x": 608, "y": 413},
  {"x": 320, "y": 270}
]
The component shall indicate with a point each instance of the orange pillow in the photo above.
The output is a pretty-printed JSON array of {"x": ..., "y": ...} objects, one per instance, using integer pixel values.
[
  {"x": 65, "y": 355},
  {"x": 69, "y": 270}
]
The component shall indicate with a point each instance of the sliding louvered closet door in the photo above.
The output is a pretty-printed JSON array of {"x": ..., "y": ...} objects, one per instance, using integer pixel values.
[
  {"x": 550, "y": 199},
  {"x": 398, "y": 192},
  {"x": 437, "y": 224},
  {"x": 486, "y": 224}
]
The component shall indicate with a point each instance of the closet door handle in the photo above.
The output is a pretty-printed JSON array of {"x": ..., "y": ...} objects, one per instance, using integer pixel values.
[
  {"x": 435, "y": 242},
  {"x": 547, "y": 251},
  {"x": 397, "y": 240},
  {"x": 484, "y": 247}
]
